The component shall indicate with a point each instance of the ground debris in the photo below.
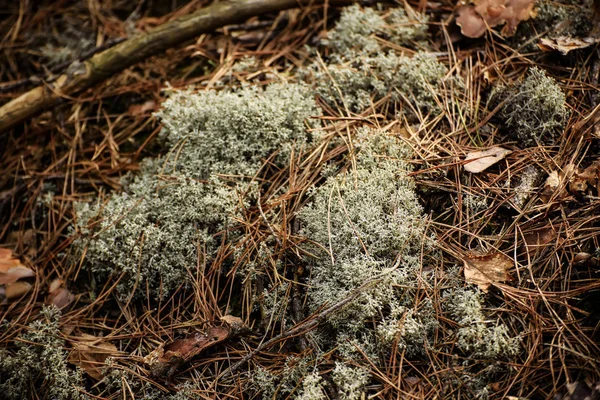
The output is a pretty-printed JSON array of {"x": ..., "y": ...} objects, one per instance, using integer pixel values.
[
  {"x": 11, "y": 271},
  {"x": 572, "y": 181},
  {"x": 565, "y": 44},
  {"x": 580, "y": 391},
  {"x": 484, "y": 159},
  {"x": 485, "y": 270},
  {"x": 90, "y": 352},
  {"x": 58, "y": 294},
  {"x": 168, "y": 357},
  {"x": 475, "y": 18}
]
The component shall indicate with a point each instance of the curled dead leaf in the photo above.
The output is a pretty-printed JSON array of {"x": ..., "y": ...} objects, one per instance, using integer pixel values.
[
  {"x": 11, "y": 269},
  {"x": 474, "y": 19},
  {"x": 486, "y": 270},
  {"x": 481, "y": 160},
  {"x": 572, "y": 180},
  {"x": 90, "y": 352},
  {"x": 59, "y": 295},
  {"x": 565, "y": 44},
  {"x": 17, "y": 289},
  {"x": 556, "y": 184},
  {"x": 581, "y": 258},
  {"x": 167, "y": 358},
  {"x": 144, "y": 108},
  {"x": 539, "y": 237}
]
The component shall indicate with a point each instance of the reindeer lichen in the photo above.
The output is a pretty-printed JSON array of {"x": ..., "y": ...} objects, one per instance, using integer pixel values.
[
  {"x": 476, "y": 336},
  {"x": 174, "y": 214},
  {"x": 39, "y": 368},
  {"x": 357, "y": 30},
  {"x": 534, "y": 111},
  {"x": 358, "y": 84}
]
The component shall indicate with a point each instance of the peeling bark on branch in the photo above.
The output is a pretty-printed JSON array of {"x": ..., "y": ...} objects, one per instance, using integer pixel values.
[{"x": 81, "y": 76}]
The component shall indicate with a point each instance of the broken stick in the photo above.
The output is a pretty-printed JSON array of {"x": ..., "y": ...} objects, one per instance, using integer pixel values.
[{"x": 82, "y": 75}]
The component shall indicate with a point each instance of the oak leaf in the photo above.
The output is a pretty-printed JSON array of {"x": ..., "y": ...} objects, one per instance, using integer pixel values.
[
  {"x": 486, "y": 270},
  {"x": 474, "y": 19},
  {"x": 90, "y": 352},
  {"x": 11, "y": 269},
  {"x": 481, "y": 160}
]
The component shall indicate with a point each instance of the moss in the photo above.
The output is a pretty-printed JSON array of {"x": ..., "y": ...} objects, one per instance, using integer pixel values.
[
  {"x": 533, "y": 111},
  {"x": 476, "y": 336},
  {"x": 528, "y": 182},
  {"x": 360, "y": 70},
  {"x": 371, "y": 212},
  {"x": 286, "y": 381},
  {"x": 39, "y": 365},
  {"x": 350, "y": 381},
  {"x": 312, "y": 388},
  {"x": 357, "y": 30},
  {"x": 175, "y": 213},
  {"x": 358, "y": 84},
  {"x": 233, "y": 132},
  {"x": 359, "y": 224}
]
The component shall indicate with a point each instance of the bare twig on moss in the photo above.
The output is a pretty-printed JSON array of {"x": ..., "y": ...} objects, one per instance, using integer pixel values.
[
  {"x": 309, "y": 323},
  {"x": 80, "y": 75},
  {"x": 50, "y": 77}
]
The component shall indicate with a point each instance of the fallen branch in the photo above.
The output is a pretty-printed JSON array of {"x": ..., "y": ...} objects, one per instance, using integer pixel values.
[
  {"x": 309, "y": 323},
  {"x": 82, "y": 75}
]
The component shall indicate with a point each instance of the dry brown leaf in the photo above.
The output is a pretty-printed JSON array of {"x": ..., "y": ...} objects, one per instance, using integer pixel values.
[
  {"x": 539, "y": 237},
  {"x": 16, "y": 290},
  {"x": 167, "y": 358},
  {"x": 486, "y": 270},
  {"x": 571, "y": 180},
  {"x": 555, "y": 185},
  {"x": 59, "y": 295},
  {"x": 474, "y": 19},
  {"x": 581, "y": 258},
  {"x": 233, "y": 322},
  {"x": 484, "y": 159},
  {"x": 90, "y": 352},
  {"x": 565, "y": 44},
  {"x": 11, "y": 269},
  {"x": 140, "y": 109}
]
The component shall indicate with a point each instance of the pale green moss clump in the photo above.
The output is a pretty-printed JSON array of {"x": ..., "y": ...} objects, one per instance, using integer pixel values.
[
  {"x": 39, "y": 365},
  {"x": 350, "y": 380},
  {"x": 359, "y": 84},
  {"x": 477, "y": 336},
  {"x": 360, "y": 222},
  {"x": 363, "y": 224},
  {"x": 358, "y": 28},
  {"x": 233, "y": 132},
  {"x": 312, "y": 388},
  {"x": 174, "y": 214},
  {"x": 361, "y": 70},
  {"x": 534, "y": 110}
]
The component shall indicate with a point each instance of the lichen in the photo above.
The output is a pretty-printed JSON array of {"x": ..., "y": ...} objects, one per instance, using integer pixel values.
[
  {"x": 312, "y": 388},
  {"x": 286, "y": 381},
  {"x": 39, "y": 365},
  {"x": 350, "y": 380},
  {"x": 359, "y": 224},
  {"x": 533, "y": 111},
  {"x": 357, "y": 30},
  {"x": 359, "y": 84},
  {"x": 173, "y": 215},
  {"x": 476, "y": 336},
  {"x": 529, "y": 179}
]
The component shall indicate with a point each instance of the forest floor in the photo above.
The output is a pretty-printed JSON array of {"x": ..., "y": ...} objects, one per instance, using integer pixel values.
[{"x": 514, "y": 234}]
